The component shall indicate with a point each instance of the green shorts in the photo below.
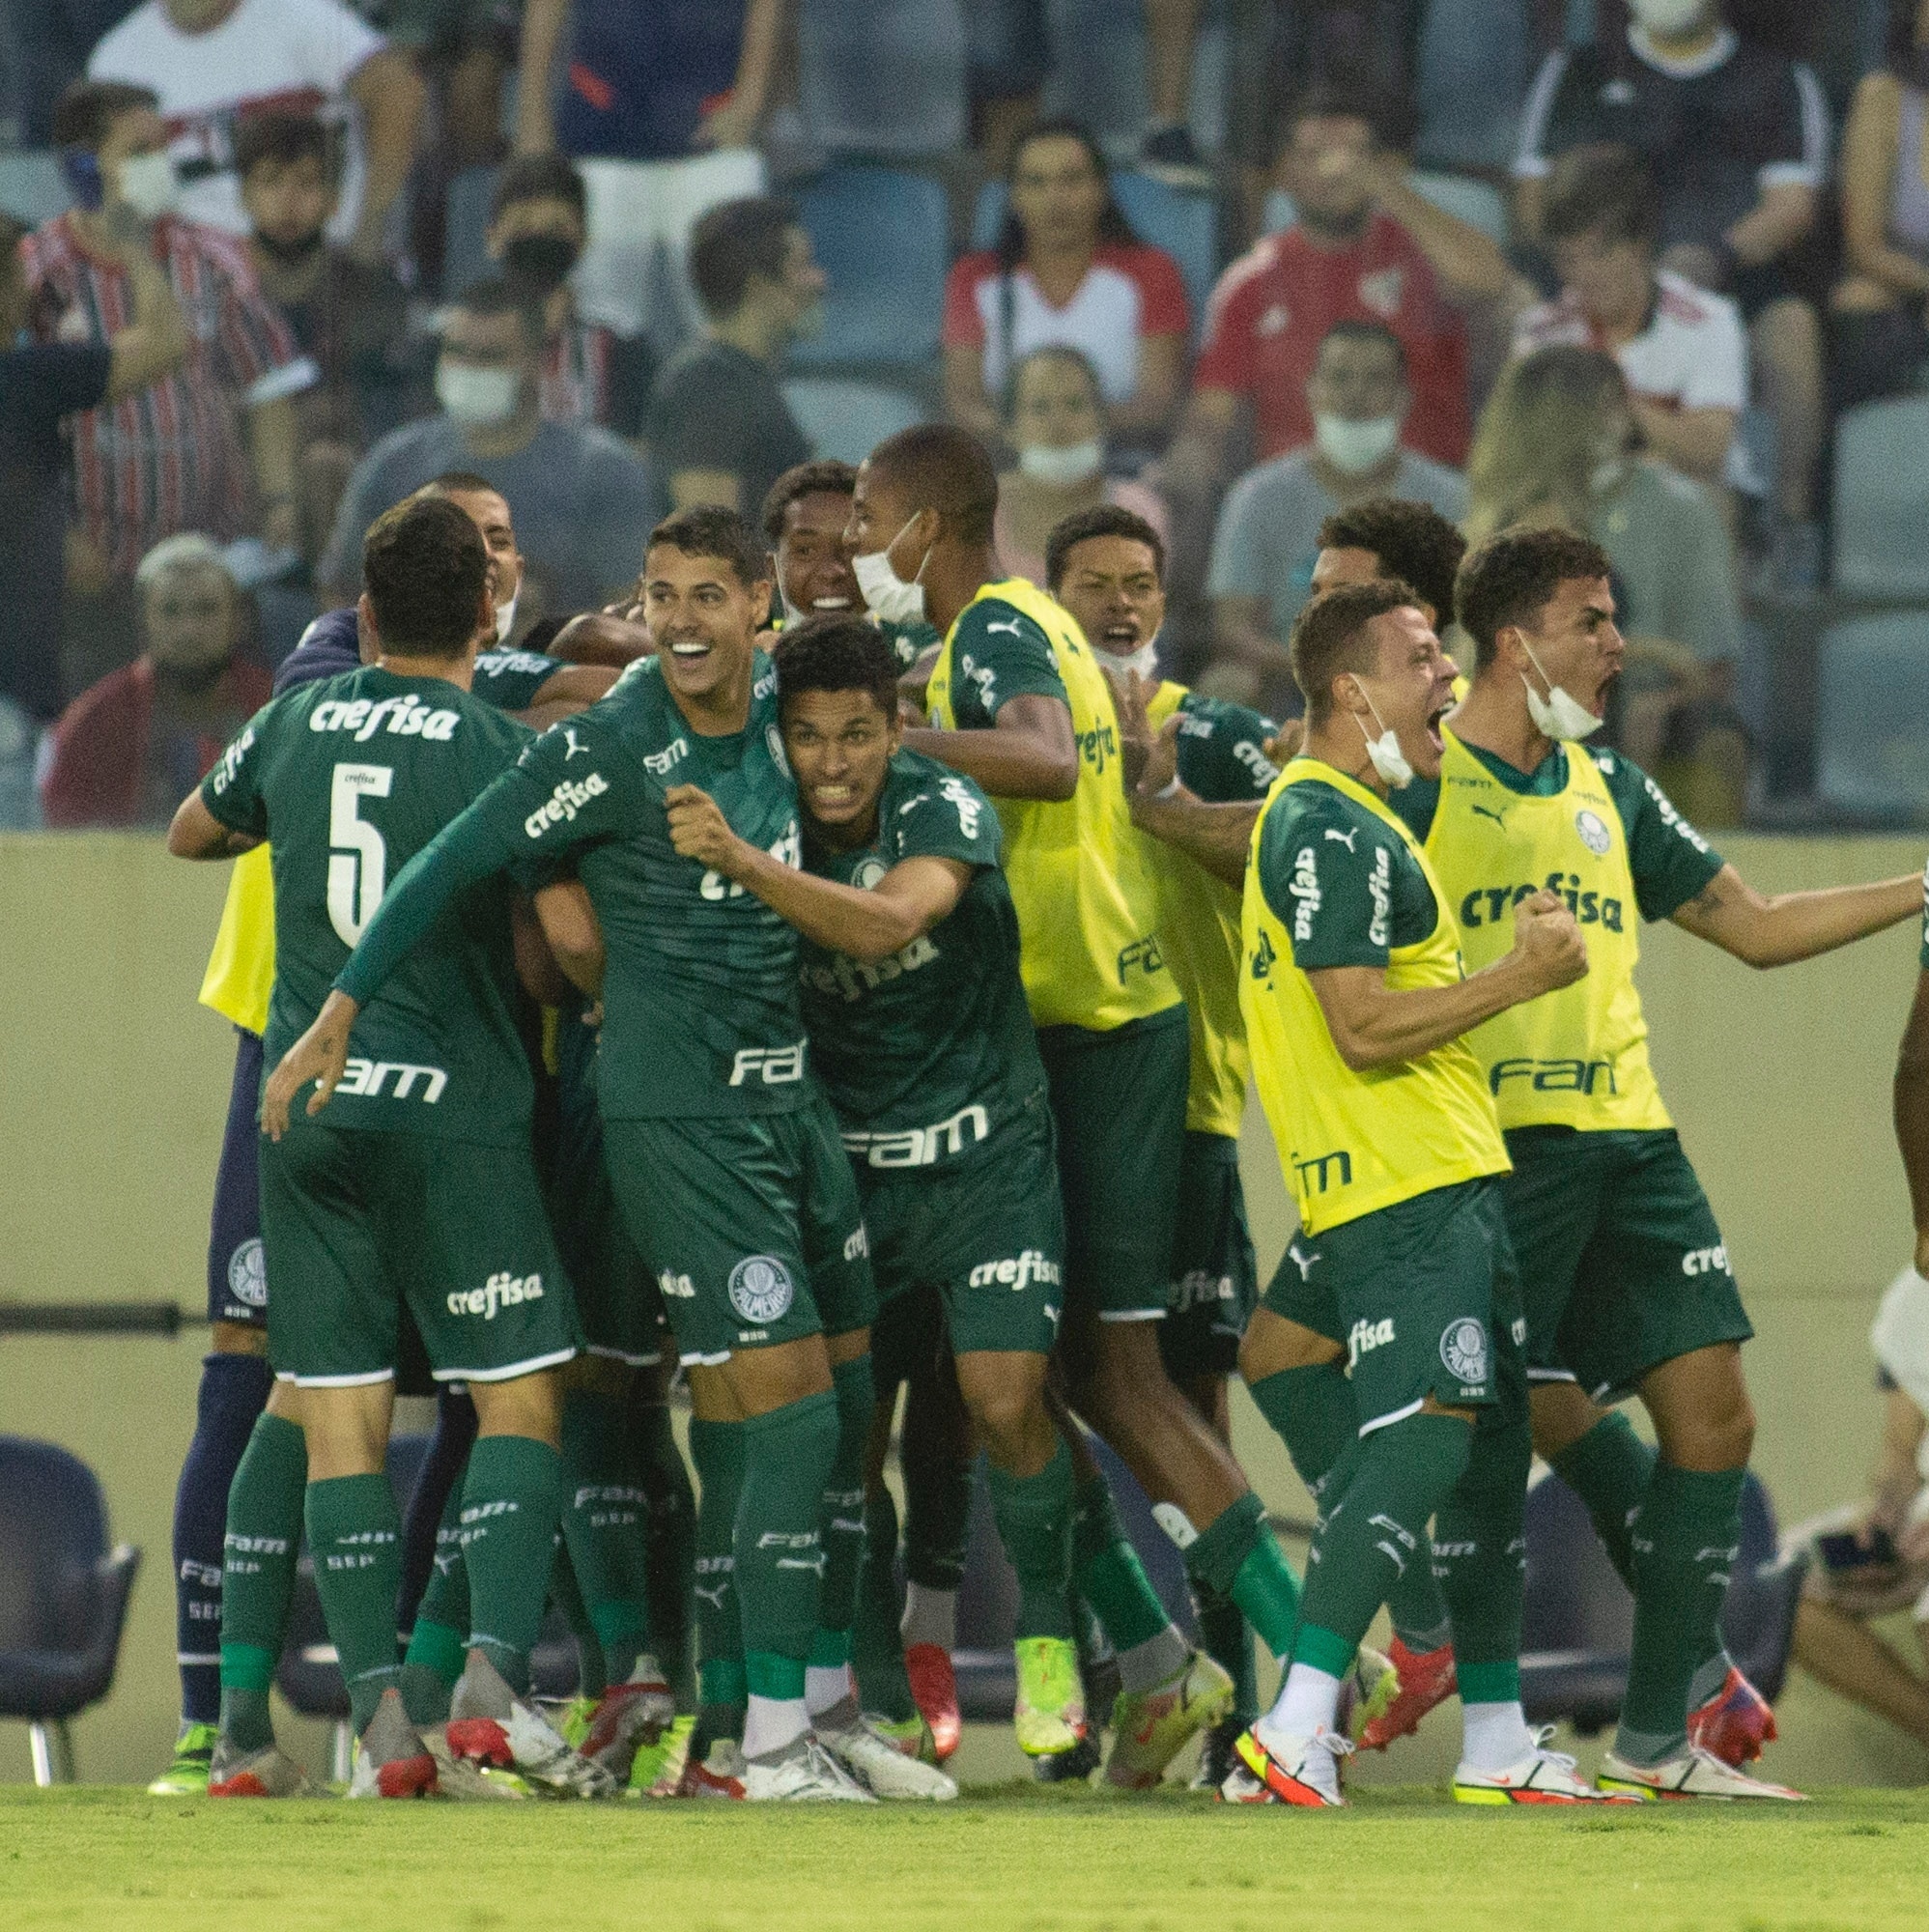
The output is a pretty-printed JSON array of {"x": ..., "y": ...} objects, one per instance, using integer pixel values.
[
  {"x": 1214, "y": 1276},
  {"x": 1622, "y": 1265},
  {"x": 617, "y": 1297},
  {"x": 986, "y": 1230},
  {"x": 357, "y": 1224},
  {"x": 1118, "y": 1103},
  {"x": 751, "y": 1223},
  {"x": 1422, "y": 1295}
]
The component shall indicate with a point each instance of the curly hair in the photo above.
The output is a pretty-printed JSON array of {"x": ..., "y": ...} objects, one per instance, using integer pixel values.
[
  {"x": 828, "y": 477},
  {"x": 837, "y": 653},
  {"x": 1411, "y": 542},
  {"x": 1508, "y": 578}
]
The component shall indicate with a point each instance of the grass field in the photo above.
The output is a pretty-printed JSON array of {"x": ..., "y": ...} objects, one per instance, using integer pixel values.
[{"x": 1018, "y": 1857}]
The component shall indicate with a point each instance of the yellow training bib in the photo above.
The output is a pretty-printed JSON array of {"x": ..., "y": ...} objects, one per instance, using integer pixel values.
[
  {"x": 1351, "y": 1143},
  {"x": 240, "y": 969}
]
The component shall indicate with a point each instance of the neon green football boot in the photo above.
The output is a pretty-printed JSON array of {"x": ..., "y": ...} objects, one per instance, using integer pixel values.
[
  {"x": 188, "y": 1775},
  {"x": 1050, "y": 1712}
]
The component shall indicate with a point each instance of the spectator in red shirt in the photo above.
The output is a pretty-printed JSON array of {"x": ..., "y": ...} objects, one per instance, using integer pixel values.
[
  {"x": 1067, "y": 269},
  {"x": 1364, "y": 248},
  {"x": 127, "y": 749}
]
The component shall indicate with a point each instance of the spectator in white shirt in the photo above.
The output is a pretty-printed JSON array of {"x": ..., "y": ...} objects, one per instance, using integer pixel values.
[{"x": 213, "y": 62}]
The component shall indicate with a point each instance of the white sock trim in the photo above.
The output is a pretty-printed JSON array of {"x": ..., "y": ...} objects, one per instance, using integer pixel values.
[
  {"x": 773, "y": 1723},
  {"x": 1309, "y": 1700},
  {"x": 1494, "y": 1736},
  {"x": 930, "y": 1616},
  {"x": 826, "y": 1686}
]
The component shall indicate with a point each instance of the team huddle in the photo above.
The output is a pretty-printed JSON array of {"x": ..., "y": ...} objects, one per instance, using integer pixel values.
[{"x": 872, "y": 1005}]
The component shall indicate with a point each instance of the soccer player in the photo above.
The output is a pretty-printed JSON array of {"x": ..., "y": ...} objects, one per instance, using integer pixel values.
[
  {"x": 920, "y": 1032},
  {"x": 1106, "y": 565},
  {"x": 1355, "y": 1003},
  {"x": 722, "y": 1151},
  {"x": 1389, "y": 537},
  {"x": 1024, "y": 710},
  {"x": 1628, "y": 1283},
  {"x": 422, "y": 1188}
]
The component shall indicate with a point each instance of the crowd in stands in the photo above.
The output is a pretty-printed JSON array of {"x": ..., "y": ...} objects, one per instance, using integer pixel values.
[{"x": 267, "y": 265}]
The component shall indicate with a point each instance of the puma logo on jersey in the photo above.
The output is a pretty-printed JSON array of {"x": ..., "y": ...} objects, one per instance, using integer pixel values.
[
  {"x": 1344, "y": 838},
  {"x": 564, "y": 803},
  {"x": 570, "y": 749},
  {"x": 1485, "y": 812},
  {"x": 1303, "y": 1263},
  {"x": 1009, "y": 625},
  {"x": 407, "y": 717}
]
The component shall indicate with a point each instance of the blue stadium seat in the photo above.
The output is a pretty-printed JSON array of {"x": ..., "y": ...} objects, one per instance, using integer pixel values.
[
  {"x": 32, "y": 187},
  {"x": 846, "y": 419},
  {"x": 1882, "y": 482},
  {"x": 1872, "y": 682},
  {"x": 880, "y": 235},
  {"x": 1098, "y": 70},
  {"x": 1474, "y": 64},
  {"x": 63, "y": 1596},
  {"x": 883, "y": 78}
]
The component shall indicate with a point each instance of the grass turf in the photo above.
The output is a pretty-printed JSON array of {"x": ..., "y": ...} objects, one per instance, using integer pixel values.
[{"x": 1019, "y": 1857}]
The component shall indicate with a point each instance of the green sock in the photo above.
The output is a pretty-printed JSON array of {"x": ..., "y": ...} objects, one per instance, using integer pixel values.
[
  {"x": 788, "y": 1454},
  {"x": 1236, "y": 1559},
  {"x": 841, "y": 1524},
  {"x": 1376, "y": 1526},
  {"x": 1609, "y": 1469},
  {"x": 592, "y": 1678},
  {"x": 669, "y": 1551},
  {"x": 877, "y": 1644},
  {"x": 1685, "y": 1539},
  {"x": 433, "y": 1663},
  {"x": 1481, "y": 1556},
  {"x": 1227, "y": 1638},
  {"x": 1034, "y": 1517},
  {"x": 258, "y": 1556},
  {"x": 1312, "y": 1412},
  {"x": 603, "y": 1510},
  {"x": 1107, "y": 1573},
  {"x": 510, "y": 1503},
  {"x": 717, "y": 1448},
  {"x": 354, "y": 1533}
]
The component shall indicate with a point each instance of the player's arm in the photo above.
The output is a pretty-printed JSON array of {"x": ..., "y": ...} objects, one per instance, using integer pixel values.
[
  {"x": 537, "y": 967},
  {"x": 1911, "y": 1114},
  {"x": 907, "y": 902},
  {"x": 613, "y": 637},
  {"x": 1219, "y": 836},
  {"x": 1780, "y": 928},
  {"x": 575, "y": 934},
  {"x": 1030, "y": 750},
  {"x": 564, "y": 694},
  {"x": 195, "y": 833}
]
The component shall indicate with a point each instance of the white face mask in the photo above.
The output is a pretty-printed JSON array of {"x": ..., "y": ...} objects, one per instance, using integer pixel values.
[
  {"x": 1668, "y": 17},
  {"x": 1355, "y": 447},
  {"x": 149, "y": 184},
  {"x": 1384, "y": 753},
  {"x": 887, "y": 595},
  {"x": 1145, "y": 659},
  {"x": 1064, "y": 468},
  {"x": 1560, "y": 714},
  {"x": 505, "y": 620},
  {"x": 476, "y": 398}
]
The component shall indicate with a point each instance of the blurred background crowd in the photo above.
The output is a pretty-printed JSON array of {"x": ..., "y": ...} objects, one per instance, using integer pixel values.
[{"x": 1658, "y": 270}]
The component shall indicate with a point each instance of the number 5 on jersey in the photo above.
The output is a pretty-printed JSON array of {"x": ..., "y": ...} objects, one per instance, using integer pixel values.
[{"x": 357, "y": 858}]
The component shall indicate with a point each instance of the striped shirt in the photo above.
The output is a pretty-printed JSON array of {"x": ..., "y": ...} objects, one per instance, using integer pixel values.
[
  {"x": 574, "y": 385},
  {"x": 171, "y": 458}
]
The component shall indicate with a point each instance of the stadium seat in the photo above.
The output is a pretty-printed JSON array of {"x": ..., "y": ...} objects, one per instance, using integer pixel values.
[
  {"x": 1872, "y": 694},
  {"x": 32, "y": 187},
  {"x": 846, "y": 420},
  {"x": 1882, "y": 480},
  {"x": 63, "y": 1596},
  {"x": 880, "y": 236},
  {"x": 883, "y": 78},
  {"x": 1473, "y": 68}
]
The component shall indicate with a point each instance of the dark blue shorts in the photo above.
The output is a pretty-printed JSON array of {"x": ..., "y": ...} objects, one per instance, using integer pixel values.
[{"x": 237, "y": 1278}]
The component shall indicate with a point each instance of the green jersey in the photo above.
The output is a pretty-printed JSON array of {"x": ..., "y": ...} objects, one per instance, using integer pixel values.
[
  {"x": 349, "y": 778},
  {"x": 510, "y": 679},
  {"x": 1222, "y": 756},
  {"x": 700, "y": 993},
  {"x": 927, "y": 1054}
]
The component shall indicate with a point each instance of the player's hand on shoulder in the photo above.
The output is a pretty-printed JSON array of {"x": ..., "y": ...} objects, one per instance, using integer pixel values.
[
  {"x": 319, "y": 1055},
  {"x": 1548, "y": 941},
  {"x": 699, "y": 831},
  {"x": 1283, "y": 746}
]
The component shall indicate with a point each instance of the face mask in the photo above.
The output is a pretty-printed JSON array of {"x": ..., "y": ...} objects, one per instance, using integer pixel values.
[
  {"x": 888, "y": 596},
  {"x": 541, "y": 262},
  {"x": 1064, "y": 468},
  {"x": 476, "y": 398},
  {"x": 505, "y": 620},
  {"x": 149, "y": 184},
  {"x": 1558, "y": 715},
  {"x": 1668, "y": 17},
  {"x": 1352, "y": 447},
  {"x": 1144, "y": 660},
  {"x": 1383, "y": 751}
]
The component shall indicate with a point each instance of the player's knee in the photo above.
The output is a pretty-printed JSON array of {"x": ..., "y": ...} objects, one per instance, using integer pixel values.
[{"x": 527, "y": 1406}]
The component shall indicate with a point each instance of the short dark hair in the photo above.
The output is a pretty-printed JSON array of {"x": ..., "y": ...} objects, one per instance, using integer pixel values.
[
  {"x": 949, "y": 470},
  {"x": 89, "y": 109},
  {"x": 1412, "y": 542},
  {"x": 1332, "y": 103},
  {"x": 284, "y": 139},
  {"x": 828, "y": 477},
  {"x": 1508, "y": 578},
  {"x": 546, "y": 177},
  {"x": 457, "y": 483},
  {"x": 1329, "y": 637},
  {"x": 733, "y": 242},
  {"x": 708, "y": 530},
  {"x": 1604, "y": 189},
  {"x": 1352, "y": 330},
  {"x": 1101, "y": 520},
  {"x": 497, "y": 295},
  {"x": 425, "y": 570},
  {"x": 837, "y": 653}
]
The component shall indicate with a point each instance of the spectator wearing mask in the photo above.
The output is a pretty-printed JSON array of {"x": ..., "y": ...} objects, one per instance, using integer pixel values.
[
  {"x": 1681, "y": 347},
  {"x": 1057, "y": 425},
  {"x": 214, "y": 63},
  {"x": 1269, "y": 535},
  {"x": 127, "y": 749},
  {"x": 582, "y": 500},
  {"x": 538, "y": 222},
  {"x": 1067, "y": 269},
  {"x": 1879, "y": 311},
  {"x": 1737, "y": 139},
  {"x": 718, "y": 425},
  {"x": 660, "y": 107},
  {"x": 210, "y": 446},
  {"x": 1363, "y": 247}
]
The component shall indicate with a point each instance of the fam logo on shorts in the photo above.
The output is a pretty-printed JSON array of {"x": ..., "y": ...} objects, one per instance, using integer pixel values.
[
  {"x": 761, "y": 1289},
  {"x": 1464, "y": 1350},
  {"x": 247, "y": 1273},
  {"x": 1593, "y": 833}
]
